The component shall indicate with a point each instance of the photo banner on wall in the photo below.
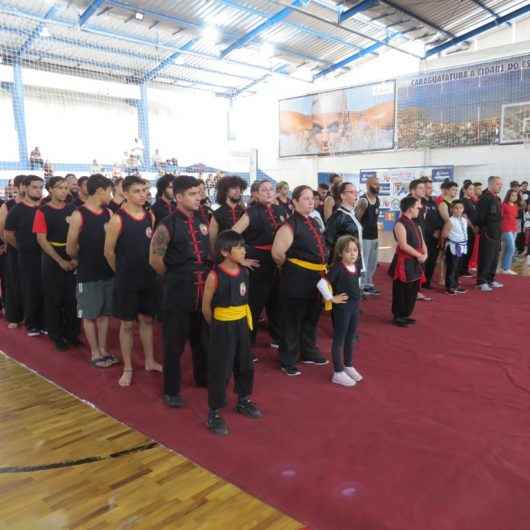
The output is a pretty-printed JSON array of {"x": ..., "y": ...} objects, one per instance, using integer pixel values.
[
  {"x": 477, "y": 104},
  {"x": 341, "y": 121}
]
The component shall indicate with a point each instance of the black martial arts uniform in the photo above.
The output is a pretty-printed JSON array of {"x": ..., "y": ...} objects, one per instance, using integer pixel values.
[
  {"x": 433, "y": 224},
  {"x": 489, "y": 214},
  {"x": 227, "y": 216},
  {"x": 161, "y": 209}
]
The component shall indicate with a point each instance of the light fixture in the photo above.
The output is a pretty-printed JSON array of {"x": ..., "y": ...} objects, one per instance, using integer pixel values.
[
  {"x": 44, "y": 32},
  {"x": 139, "y": 16},
  {"x": 266, "y": 50},
  {"x": 211, "y": 34}
]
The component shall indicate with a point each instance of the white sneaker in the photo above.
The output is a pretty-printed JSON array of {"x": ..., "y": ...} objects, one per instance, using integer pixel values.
[
  {"x": 353, "y": 373},
  {"x": 485, "y": 288},
  {"x": 496, "y": 285},
  {"x": 341, "y": 378},
  {"x": 510, "y": 272}
]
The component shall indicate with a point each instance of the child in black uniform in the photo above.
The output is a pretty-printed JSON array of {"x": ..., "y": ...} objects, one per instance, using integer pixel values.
[
  {"x": 343, "y": 278},
  {"x": 225, "y": 307}
]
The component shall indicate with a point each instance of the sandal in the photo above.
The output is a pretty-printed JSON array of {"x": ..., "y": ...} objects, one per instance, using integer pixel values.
[{"x": 101, "y": 362}]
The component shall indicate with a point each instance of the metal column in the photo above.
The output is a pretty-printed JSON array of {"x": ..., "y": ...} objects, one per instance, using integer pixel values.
[
  {"x": 143, "y": 124},
  {"x": 20, "y": 115}
]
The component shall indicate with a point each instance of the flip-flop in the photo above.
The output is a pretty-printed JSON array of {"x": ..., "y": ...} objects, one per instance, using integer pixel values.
[
  {"x": 424, "y": 299},
  {"x": 101, "y": 362},
  {"x": 113, "y": 359}
]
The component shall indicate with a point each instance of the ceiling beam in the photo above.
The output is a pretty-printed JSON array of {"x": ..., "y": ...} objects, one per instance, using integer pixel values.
[
  {"x": 168, "y": 61},
  {"x": 37, "y": 31},
  {"x": 483, "y": 6},
  {"x": 255, "y": 82},
  {"x": 362, "y": 6},
  {"x": 477, "y": 31},
  {"x": 89, "y": 11}
]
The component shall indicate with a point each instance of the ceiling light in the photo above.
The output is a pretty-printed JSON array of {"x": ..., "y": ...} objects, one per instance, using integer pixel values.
[
  {"x": 139, "y": 16},
  {"x": 266, "y": 50},
  {"x": 211, "y": 34},
  {"x": 45, "y": 32}
]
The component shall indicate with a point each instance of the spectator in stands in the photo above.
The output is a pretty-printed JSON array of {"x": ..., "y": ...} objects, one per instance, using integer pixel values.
[
  {"x": 510, "y": 212},
  {"x": 157, "y": 160},
  {"x": 35, "y": 158}
]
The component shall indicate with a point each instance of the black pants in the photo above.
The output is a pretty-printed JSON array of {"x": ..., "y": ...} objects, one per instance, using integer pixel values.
[
  {"x": 260, "y": 287},
  {"x": 229, "y": 352},
  {"x": 345, "y": 322},
  {"x": 404, "y": 298},
  {"x": 60, "y": 307},
  {"x": 432, "y": 251},
  {"x": 467, "y": 256},
  {"x": 453, "y": 269},
  {"x": 31, "y": 283},
  {"x": 177, "y": 328},
  {"x": 274, "y": 311},
  {"x": 300, "y": 319},
  {"x": 14, "y": 309},
  {"x": 488, "y": 259}
]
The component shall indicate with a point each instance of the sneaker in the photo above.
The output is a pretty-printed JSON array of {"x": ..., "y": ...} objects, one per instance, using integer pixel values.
[
  {"x": 460, "y": 290},
  {"x": 485, "y": 288},
  {"x": 247, "y": 408},
  {"x": 319, "y": 361},
  {"x": 409, "y": 320},
  {"x": 43, "y": 332},
  {"x": 275, "y": 345},
  {"x": 33, "y": 332},
  {"x": 216, "y": 424},
  {"x": 175, "y": 402},
  {"x": 371, "y": 290},
  {"x": 451, "y": 292},
  {"x": 343, "y": 379},
  {"x": 496, "y": 285},
  {"x": 510, "y": 272},
  {"x": 291, "y": 371},
  {"x": 353, "y": 373},
  {"x": 400, "y": 323}
]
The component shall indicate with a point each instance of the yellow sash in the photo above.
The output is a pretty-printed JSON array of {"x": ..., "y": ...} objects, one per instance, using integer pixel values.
[
  {"x": 316, "y": 267},
  {"x": 232, "y": 313},
  {"x": 55, "y": 244}
]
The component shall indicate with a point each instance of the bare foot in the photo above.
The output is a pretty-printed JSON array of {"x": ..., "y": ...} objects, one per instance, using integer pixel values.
[
  {"x": 153, "y": 366},
  {"x": 126, "y": 377}
]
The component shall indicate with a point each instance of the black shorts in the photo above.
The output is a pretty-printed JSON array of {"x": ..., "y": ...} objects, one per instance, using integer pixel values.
[{"x": 129, "y": 303}]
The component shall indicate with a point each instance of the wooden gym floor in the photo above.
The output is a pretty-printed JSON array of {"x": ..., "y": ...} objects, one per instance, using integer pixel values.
[{"x": 66, "y": 465}]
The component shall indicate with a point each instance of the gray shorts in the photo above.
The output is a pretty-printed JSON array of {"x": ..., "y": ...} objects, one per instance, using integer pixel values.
[{"x": 94, "y": 299}]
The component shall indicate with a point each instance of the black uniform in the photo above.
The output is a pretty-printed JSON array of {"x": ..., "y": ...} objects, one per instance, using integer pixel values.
[
  {"x": 432, "y": 227},
  {"x": 229, "y": 341},
  {"x": 187, "y": 262},
  {"x": 205, "y": 212},
  {"x": 134, "y": 279},
  {"x": 489, "y": 214},
  {"x": 264, "y": 221},
  {"x": 20, "y": 220},
  {"x": 161, "y": 209},
  {"x": 227, "y": 216},
  {"x": 406, "y": 271},
  {"x": 60, "y": 307},
  {"x": 114, "y": 206},
  {"x": 287, "y": 208},
  {"x": 13, "y": 299},
  {"x": 470, "y": 211},
  {"x": 301, "y": 301},
  {"x": 370, "y": 218},
  {"x": 339, "y": 224}
]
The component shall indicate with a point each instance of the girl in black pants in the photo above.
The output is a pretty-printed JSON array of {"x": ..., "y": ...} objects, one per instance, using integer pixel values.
[{"x": 343, "y": 278}]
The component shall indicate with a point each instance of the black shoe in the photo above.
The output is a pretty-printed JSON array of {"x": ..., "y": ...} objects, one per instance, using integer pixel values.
[
  {"x": 291, "y": 371},
  {"x": 216, "y": 424},
  {"x": 248, "y": 409},
  {"x": 33, "y": 332},
  {"x": 410, "y": 320},
  {"x": 75, "y": 342},
  {"x": 400, "y": 322},
  {"x": 175, "y": 402},
  {"x": 319, "y": 361},
  {"x": 460, "y": 290},
  {"x": 371, "y": 290},
  {"x": 60, "y": 344},
  {"x": 451, "y": 292}
]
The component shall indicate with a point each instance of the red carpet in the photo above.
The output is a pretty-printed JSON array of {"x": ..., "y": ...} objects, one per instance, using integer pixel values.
[{"x": 437, "y": 437}]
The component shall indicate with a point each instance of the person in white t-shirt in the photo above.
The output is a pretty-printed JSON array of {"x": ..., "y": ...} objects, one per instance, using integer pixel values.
[{"x": 455, "y": 232}]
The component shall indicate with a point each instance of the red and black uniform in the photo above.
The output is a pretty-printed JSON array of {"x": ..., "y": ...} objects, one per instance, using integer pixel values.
[
  {"x": 134, "y": 279},
  {"x": 287, "y": 208},
  {"x": 20, "y": 221},
  {"x": 188, "y": 263},
  {"x": 114, "y": 206},
  {"x": 205, "y": 212},
  {"x": 301, "y": 301},
  {"x": 264, "y": 221},
  {"x": 227, "y": 216},
  {"x": 161, "y": 209},
  {"x": 60, "y": 306},
  {"x": 229, "y": 350},
  {"x": 13, "y": 299},
  {"x": 406, "y": 271}
]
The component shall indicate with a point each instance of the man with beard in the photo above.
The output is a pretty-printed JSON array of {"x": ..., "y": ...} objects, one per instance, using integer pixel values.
[
  {"x": 329, "y": 202},
  {"x": 433, "y": 224},
  {"x": 367, "y": 211},
  {"x": 165, "y": 200},
  {"x": 229, "y": 192},
  {"x": 73, "y": 187}
]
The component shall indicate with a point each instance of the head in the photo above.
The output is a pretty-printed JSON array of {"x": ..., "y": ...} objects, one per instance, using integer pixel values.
[
  {"x": 20, "y": 187},
  {"x": 317, "y": 199},
  {"x": 99, "y": 188},
  {"x": 71, "y": 182},
  {"x": 514, "y": 185},
  {"x": 164, "y": 187},
  {"x": 265, "y": 193},
  {"x": 230, "y": 246},
  {"x": 511, "y": 196},
  {"x": 410, "y": 206},
  {"x": 135, "y": 190},
  {"x": 477, "y": 187},
  {"x": 303, "y": 200},
  {"x": 346, "y": 250},
  {"x": 33, "y": 186},
  {"x": 372, "y": 185},
  {"x": 329, "y": 114},
  {"x": 334, "y": 179},
  {"x": 469, "y": 190},
  {"x": 83, "y": 190},
  {"x": 417, "y": 188},
  {"x": 202, "y": 189},
  {"x": 187, "y": 193},
  {"x": 524, "y": 186},
  {"x": 254, "y": 191},
  {"x": 323, "y": 190},
  {"x": 427, "y": 182},
  {"x": 494, "y": 184},
  {"x": 346, "y": 194},
  {"x": 57, "y": 188},
  {"x": 230, "y": 188},
  {"x": 457, "y": 208},
  {"x": 449, "y": 189},
  {"x": 282, "y": 189}
]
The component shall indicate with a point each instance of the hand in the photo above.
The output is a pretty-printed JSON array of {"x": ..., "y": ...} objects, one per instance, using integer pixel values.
[
  {"x": 341, "y": 298},
  {"x": 422, "y": 258},
  {"x": 74, "y": 264},
  {"x": 250, "y": 263},
  {"x": 65, "y": 265}
]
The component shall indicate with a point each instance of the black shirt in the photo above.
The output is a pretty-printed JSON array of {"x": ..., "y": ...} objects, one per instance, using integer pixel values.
[
  {"x": 370, "y": 219},
  {"x": 20, "y": 220},
  {"x": 344, "y": 281},
  {"x": 161, "y": 209},
  {"x": 433, "y": 219},
  {"x": 54, "y": 223},
  {"x": 231, "y": 288},
  {"x": 227, "y": 217},
  {"x": 114, "y": 206},
  {"x": 489, "y": 215},
  {"x": 470, "y": 210}
]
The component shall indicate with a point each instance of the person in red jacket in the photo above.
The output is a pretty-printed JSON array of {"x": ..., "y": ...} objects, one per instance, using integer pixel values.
[{"x": 510, "y": 212}]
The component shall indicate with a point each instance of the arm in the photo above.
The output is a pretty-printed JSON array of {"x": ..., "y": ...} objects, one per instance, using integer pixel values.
[
  {"x": 401, "y": 236},
  {"x": 213, "y": 231},
  {"x": 282, "y": 242},
  {"x": 241, "y": 225},
  {"x": 158, "y": 249},
  {"x": 329, "y": 202},
  {"x": 360, "y": 208},
  {"x": 443, "y": 211},
  {"x": 10, "y": 238},
  {"x": 209, "y": 291},
  {"x": 48, "y": 249},
  {"x": 72, "y": 239},
  {"x": 3, "y": 215},
  {"x": 111, "y": 238},
  {"x": 446, "y": 229}
]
